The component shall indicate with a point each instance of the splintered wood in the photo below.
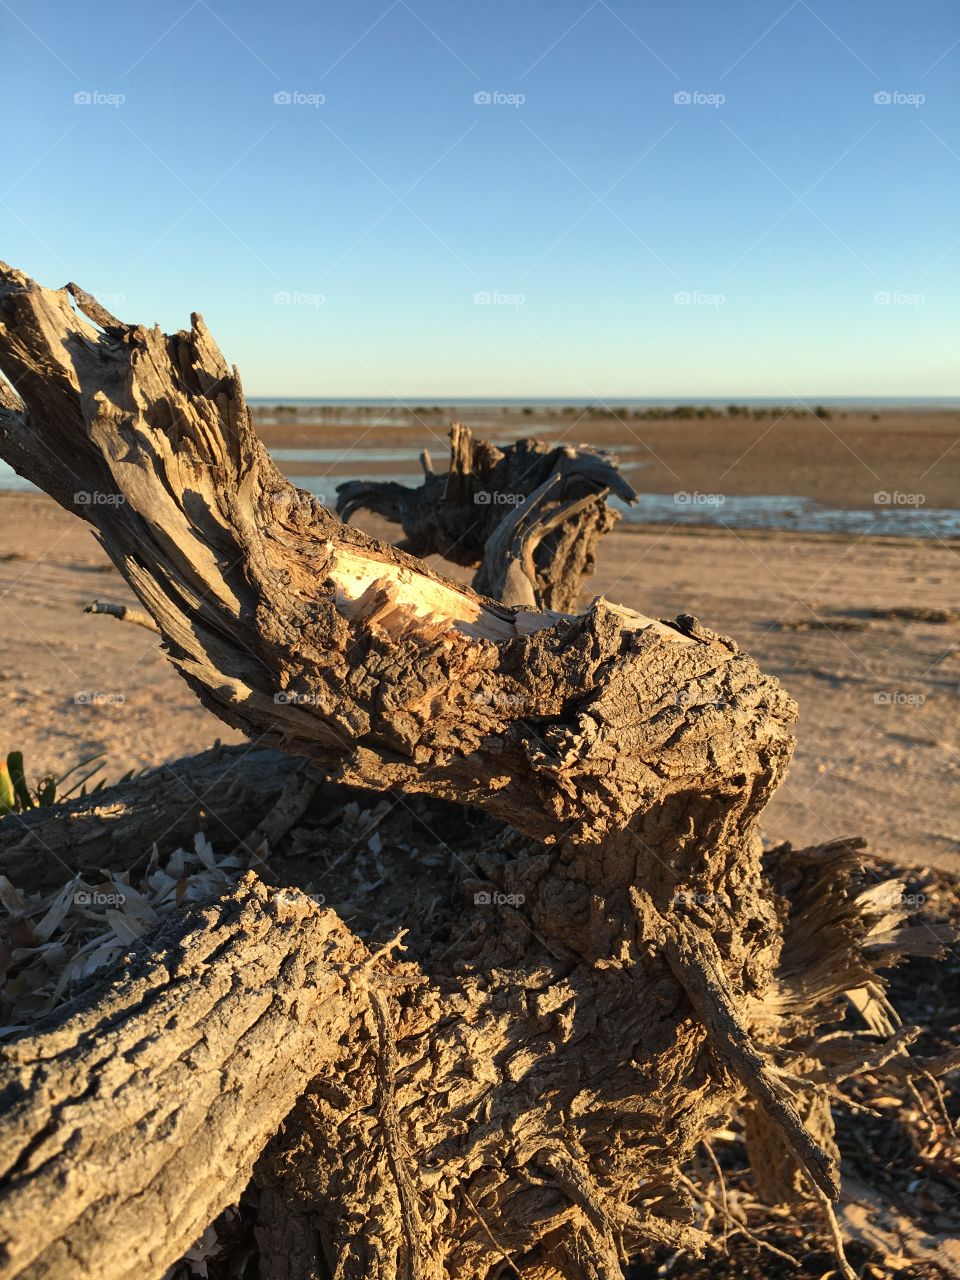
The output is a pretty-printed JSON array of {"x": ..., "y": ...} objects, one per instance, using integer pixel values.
[{"x": 525, "y": 1102}]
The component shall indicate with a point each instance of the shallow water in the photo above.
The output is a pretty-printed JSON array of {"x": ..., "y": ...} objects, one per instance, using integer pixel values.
[
  {"x": 344, "y": 455},
  {"x": 779, "y": 511},
  {"x": 352, "y": 455},
  {"x": 754, "y": 511},
  {"x": 760, "y": 511}
]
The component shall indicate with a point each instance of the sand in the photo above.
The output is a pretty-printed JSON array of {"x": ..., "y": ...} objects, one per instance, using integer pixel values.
[{"x": 858, "y": 629}]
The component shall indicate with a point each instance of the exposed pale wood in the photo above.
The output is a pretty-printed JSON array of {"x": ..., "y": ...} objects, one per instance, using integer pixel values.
[{"x": 513, "y": 1102}]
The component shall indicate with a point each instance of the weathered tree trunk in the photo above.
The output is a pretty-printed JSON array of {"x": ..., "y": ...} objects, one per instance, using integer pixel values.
[
  {"x": 527, "y": 517},
  {"x": 137, "y": 1116},
  {"x": 524, "y": 1103}
]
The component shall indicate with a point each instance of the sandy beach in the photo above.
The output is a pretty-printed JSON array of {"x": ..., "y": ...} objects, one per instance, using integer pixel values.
[{"x": 863, "y": 631}]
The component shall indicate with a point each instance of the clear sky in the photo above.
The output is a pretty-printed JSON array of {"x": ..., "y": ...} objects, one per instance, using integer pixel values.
[{"x": 778, "y": 233}]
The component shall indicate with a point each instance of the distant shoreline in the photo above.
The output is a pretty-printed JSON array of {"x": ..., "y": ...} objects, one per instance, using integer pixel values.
[
  {"x": 834, "y": 471},
  {"x": 744, "y": 466},
  {"x": 407, "y": 404}
]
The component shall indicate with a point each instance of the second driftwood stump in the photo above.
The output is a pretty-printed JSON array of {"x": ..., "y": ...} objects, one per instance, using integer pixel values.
[{"x": 528, "y": 517}]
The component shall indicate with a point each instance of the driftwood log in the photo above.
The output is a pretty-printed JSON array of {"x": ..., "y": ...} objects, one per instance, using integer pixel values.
[
  {"x": 519, "y": 1108},
  {"x": 140, "y": 1115},
  {"x": 527, "y": 517}
]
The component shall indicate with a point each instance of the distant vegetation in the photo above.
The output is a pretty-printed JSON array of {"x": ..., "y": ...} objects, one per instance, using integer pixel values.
[
  {"x": 682, "y": 412},
  {"x": 688, "y": 411}
]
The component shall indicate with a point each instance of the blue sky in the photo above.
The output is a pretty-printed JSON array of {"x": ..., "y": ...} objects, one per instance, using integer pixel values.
[{"x": 585, "y": 234}]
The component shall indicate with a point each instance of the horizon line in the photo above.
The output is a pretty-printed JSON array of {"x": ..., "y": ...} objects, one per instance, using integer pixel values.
[{"x": 728, "y": 398}]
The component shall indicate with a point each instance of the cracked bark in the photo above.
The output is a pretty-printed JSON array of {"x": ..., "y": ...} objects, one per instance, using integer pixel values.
[
  {"x": 138, "y": 1114},
  {"x": 526, "y": 1102}
]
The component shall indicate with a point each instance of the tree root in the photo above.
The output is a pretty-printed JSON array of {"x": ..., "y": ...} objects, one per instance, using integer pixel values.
[{"x": 525, "y": 1094}]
